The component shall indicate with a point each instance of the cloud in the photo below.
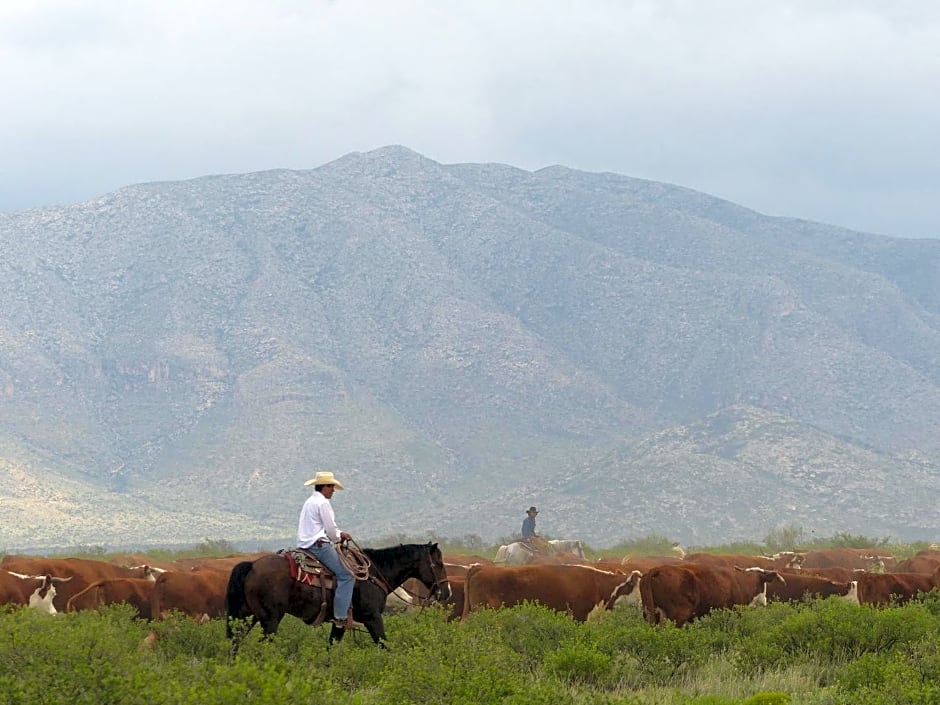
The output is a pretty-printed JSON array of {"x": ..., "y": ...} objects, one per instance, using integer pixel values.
[{"x": 824, "y": 110}]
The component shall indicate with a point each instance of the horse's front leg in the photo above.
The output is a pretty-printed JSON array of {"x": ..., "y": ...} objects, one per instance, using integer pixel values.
[
  {"x": 336, "y": 634},
  {"x": 368, "y": 604}
]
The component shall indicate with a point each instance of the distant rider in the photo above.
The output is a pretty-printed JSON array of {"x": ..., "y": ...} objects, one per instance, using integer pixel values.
[{"x": 529, "y": 537}]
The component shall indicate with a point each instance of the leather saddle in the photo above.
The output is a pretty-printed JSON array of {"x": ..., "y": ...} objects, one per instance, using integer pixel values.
[{"x": 306, "y": 569}]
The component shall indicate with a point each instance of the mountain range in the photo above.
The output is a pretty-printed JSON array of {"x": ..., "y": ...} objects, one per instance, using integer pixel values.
[{"x": 458, "y": 342}]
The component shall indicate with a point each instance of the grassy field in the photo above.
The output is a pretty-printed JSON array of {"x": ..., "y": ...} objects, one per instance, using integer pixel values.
[
  {"x": 827, "y": 652},
  {"x": 820, "y": 653}
]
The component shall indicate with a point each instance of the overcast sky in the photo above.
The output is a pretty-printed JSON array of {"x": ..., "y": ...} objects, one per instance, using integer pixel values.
[{"x": 820, "y": 109}]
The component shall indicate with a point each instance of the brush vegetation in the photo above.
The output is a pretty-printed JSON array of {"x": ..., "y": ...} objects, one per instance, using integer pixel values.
[{"x": 826, "y": 653}]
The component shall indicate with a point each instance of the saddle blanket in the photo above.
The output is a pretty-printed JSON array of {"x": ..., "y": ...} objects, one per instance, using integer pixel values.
[{"x": 306, "y": 569}]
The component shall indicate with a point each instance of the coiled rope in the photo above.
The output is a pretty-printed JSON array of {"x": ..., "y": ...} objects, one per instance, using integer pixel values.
[{"x": 354, "y": 559}]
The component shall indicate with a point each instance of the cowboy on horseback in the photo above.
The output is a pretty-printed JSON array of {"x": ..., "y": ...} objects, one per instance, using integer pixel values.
[
  {"x": 532, "y": 540},
  {"x": 317, "y": 532}
]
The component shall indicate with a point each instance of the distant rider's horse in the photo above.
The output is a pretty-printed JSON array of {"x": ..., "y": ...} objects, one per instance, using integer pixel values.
[
  {"x": 264, "y": 591},
  {"x": 520, "y": 553}
]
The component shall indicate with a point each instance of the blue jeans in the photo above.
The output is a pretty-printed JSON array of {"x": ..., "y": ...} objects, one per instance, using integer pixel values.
[{"x": 345, "y": 582}]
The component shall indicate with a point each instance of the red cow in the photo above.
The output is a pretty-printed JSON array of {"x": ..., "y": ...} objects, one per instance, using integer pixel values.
[
  {"x": 798, "y": 587},
  {"x": 682, "y": 593},
  {"x": 133, "y": 591},
  {"x": 884, "y": 588},
  {"x": 197, "y": 593},
  {"x": 575, "y": 589}
]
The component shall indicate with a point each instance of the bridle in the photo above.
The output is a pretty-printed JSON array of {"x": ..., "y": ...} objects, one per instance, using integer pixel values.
[
  {"x": 439, "y": 576},
  {"x": 363, "y": 569},
  {"x": 434, "y": 590}
]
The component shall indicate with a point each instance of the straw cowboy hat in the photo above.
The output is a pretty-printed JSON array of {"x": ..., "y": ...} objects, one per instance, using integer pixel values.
[{"x": 325, "y": 478}]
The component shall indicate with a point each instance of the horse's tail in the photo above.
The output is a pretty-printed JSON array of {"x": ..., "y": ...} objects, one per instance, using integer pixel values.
[{"x": 235, "y": 605}]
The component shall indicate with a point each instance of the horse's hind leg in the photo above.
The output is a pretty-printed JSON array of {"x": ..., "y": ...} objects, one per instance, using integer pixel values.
[
  {"x": 270, "y": 623},
  {"x": 237, "y": 629}
]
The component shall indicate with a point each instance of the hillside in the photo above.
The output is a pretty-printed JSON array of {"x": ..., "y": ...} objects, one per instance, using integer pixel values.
[{"x": 458, "y": 342}]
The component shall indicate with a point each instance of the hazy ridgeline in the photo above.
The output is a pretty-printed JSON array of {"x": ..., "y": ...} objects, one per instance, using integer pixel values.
[{"x": 631, "y": 356}]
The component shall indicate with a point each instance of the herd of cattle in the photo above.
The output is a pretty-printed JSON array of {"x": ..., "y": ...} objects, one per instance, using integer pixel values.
[{"x": 678, "y": 588}]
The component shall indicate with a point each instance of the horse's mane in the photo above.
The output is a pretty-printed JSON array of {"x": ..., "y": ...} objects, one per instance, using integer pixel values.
[{"x": 393, "y": 552}]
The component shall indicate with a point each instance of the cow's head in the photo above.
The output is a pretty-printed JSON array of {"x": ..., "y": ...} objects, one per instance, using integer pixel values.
[
  {"x": 146, "y": 571},
  {"x": 629, "y": 590},
  {"x": 42, "y": 597},
  {"x": 763, "y": 577},
  {"x": 789, "y": 560},
  {"x": 852, "y": 594}
]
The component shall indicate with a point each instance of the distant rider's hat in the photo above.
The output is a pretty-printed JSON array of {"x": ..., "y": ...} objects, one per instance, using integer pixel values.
[
  {"x": 531, "y": 510},
  {"x": 325, "y": 478}
]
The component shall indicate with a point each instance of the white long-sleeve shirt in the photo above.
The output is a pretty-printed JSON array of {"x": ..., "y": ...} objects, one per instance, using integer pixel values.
[{"x": 316, "y": 521}]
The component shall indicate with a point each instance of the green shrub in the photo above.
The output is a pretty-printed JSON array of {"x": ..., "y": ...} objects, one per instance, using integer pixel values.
[
  {"x": 530, "y": 630},
  {"x": 767, "y": 699},
  {"x": 907, "y": 676},
  {"x": 579, "y": 664}
]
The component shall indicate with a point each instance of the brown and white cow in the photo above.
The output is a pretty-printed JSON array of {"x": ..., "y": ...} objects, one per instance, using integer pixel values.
[
  {"x": 797, "y": 587},
  {"x": 197, "y": 593},
  {"x": 881, "y": 589},
  {"x": 224, "y": 563},
  {"x": 840, "y": 575},
  {"x": 779, "y": 561},
  {"x": 643, "y": 563},
  {"x": 82, "y": 571},
  {"x": 412, "y": 593},
  {"x": 133, "y": 591},
  {"x": 682, "y": 593},
  {"x": 921, "y": 563},
  {"x": 931, "y": 550},
  {"x": 466, "y": 561},
  {"x": 36, "y": 591},
  {"x": 574, "y": 589},
  {"x": 454, "y": 603},
  {"x": 870, "y": 559}
]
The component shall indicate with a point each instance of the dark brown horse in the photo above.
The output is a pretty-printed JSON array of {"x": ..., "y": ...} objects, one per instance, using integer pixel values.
[{"x": 264, "y": 591}]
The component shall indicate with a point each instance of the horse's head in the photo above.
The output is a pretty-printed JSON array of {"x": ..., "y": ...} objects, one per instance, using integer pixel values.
[{"x": 432, "y": 573}]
